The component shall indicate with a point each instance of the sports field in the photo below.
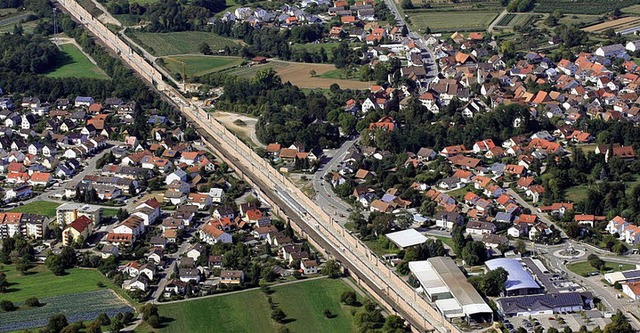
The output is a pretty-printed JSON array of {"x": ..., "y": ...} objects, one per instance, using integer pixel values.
[
  {"x": 184, "y": 42},
  {"x": 303, "y": 303},
  {"x": 74, "y": 63},
  {"x": 47, "y": 208},
  {"x": 299, "y": 75},
  {"x": 199, "y": 65}
]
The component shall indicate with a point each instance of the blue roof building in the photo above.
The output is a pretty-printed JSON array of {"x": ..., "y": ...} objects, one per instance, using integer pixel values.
[{"x": 519, "y": 281}]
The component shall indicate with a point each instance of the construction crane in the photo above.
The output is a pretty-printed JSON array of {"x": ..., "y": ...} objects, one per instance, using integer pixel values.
[{"x": 184, "y": 66}]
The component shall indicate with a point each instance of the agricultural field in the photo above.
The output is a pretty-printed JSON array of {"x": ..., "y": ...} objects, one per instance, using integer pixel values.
[
  {"x": 303, "y": 303},
  {"x": 511, "y": 20},
  {"x": 75, "y": 64},
  {"x": 76, "y": 307},
  {"x": 185, "y": 42},
  {"x": 618, "y": 25},
  {"x": 47, "y": 208},
  {"x": 450, "y": 21},
  {"x": 299, "y": 75},
  {"x": 199, "y": 65},
  {"x": 592, "y": 7},
  {"x": 41, "y": 283}
]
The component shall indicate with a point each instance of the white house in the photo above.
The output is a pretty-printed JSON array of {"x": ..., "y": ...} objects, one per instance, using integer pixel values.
[
  {"x": 216, "y": 194},
  {"x": 309, "y": 267},
  {"x": 179, "y": 174},
  {"x": 211, "y": 235}
]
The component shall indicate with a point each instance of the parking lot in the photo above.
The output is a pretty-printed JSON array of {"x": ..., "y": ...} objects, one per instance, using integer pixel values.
[{"x": 591, "y": 319}]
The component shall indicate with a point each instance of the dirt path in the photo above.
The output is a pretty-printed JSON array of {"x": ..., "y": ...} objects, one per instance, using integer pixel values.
[{"x": 249, "y": 130}]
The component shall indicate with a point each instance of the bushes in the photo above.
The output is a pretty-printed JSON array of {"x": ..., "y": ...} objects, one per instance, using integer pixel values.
[
  {"x": 32, "y": 302},
  {"x": 7, "y": 306}
]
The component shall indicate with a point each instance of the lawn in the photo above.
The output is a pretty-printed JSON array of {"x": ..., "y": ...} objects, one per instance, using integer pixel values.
[
  {"x": 382, "y": 246},
  {"x": 446, "y": 240},
  {"x": 109, "y": 212},
  {"x": 74, "y": 63},
  {"x": 185, "y": 42},
  {"x": 443, "y": 21},
  {"x": 305, "y": 302},
  {"x": 249, "y": 311},
  {"x": 582, "y": 268},
  {"x": 47, "y": 208},
  {"x": 40, "y": 282},
  {"x": 338, "y": 74},
  {"x": 199, "y": 65},
  {"x": 577, "y": 193}
]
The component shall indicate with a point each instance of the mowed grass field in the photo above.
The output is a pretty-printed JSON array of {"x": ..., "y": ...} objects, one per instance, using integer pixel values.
[
  {"x": 40, "y": 282},
  {"x": 75, "y": 64},
  {"x": 299, "y": 74},
  {"x": 583, "y": 267},
  {"x": 185, "y": 42},
  {"x": 450, "y": 21},
  {"x": 47, "y": 208},
  {"x": 200, "y": 65},
  {"x": 303, "y": 303}
]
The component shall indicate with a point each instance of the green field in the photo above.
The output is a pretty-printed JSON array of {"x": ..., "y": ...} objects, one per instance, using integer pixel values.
[
  {"x": 74, "y": 63},
  {"x": 577, "y": 193},
  {"x": 450, "y": 21},
  {"x": 199, "y": 65},
  {"x": 446, "y": 240},
  {"x": 315, "y": 48},
  {"x": 47, "y": 208},
  {"x": 249, "y": 311},
  {"x": 185, "y": 42},
  {"x": 582, "y": 268},
  {"x": 109, "y": 212},
  {"x": 248, "y": 72},
  {"x": 40, "y": 282},
  {"x": 337, "y": 74}
]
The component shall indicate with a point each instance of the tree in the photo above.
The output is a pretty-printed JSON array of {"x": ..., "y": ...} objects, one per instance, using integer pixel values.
[
  {"x": 7, "y": 306},
  {"x": 327, "y": 313},
  {"x": 407, "y": 4},
  {"x": 4, "y": 284},
  {"x": 278, "y": 315},
  {"x": 122, "y": 214},
  {"x": 494, "y": 281},
  {"x": 54, "y": 264},
  {"x": 94, "y": 327},
  {"x": 68, "y": 257},
  {"x": 331, "y": 269},
  {"x": 149, "y": 310},
  {"x": 617, "y": 12},
  {"x": 154, "y": 321},
  {"x": 619, "y": 324},
  {"x": 394, "y": 324},
  {"x": 57, "y": 323},
  {"x": 348, "y": 298},
  {"x": 32, "y": 302},
  {"x": 474, "y": 253},
  {"x": 521, "y": 246},
  {"x": 104, "y": 319},
  {"x": 204, "y": 48},
  {"x": 312, "y": 73}
]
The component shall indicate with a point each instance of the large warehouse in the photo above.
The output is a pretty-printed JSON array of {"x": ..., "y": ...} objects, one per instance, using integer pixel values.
[
  {"x": 544, "y": 304},
  {"x": 447, "y": 287},
  {"x": 519, "y": 281}
]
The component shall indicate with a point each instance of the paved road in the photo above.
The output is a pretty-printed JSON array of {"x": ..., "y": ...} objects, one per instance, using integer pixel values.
[
  {"x": 534, "y": 210},
  {"x": 168, "y": 271},
  {"x": 324, "y": 197},
  {"x": 59, "y": 190}
]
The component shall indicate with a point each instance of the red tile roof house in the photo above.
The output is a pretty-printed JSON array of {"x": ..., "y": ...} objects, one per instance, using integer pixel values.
[{"x": 557, "y": 209}]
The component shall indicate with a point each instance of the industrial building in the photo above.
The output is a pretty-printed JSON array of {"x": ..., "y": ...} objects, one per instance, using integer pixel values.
[
  {"x": 626, "y": 276},
  {"x": 520, "y": 281},
  {"x": 406, "y": 238},
  {"x": 544, "y": 304},
  {"x": 446, "y": 286}
]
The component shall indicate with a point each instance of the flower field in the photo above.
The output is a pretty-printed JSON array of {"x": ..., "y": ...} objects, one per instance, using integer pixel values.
[{"x": 76, "y": 307}]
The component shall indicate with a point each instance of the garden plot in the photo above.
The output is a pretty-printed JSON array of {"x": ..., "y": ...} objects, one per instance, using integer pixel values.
[{"x": 76, "y": 307}]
